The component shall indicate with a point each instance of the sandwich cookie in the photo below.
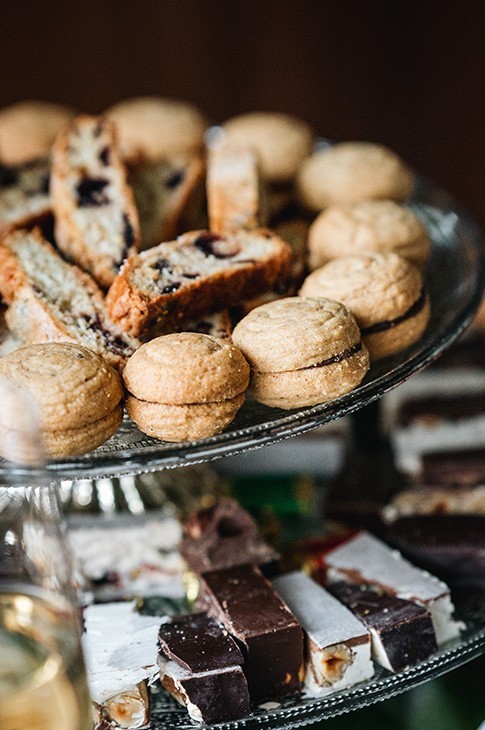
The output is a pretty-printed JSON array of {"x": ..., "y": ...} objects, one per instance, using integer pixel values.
[
  {"x": 281, "y": 142},
  {"x": 301, "y": 351},
  {"x": 155, "y": 128},
  {"x": 28, "y": 130},
  {"x": 351, "y": 171},
  {"x": 384, "y": 292},
  {"x": 77, "y": 395},
  {"x": 185, "y": 386},
  {"x": 371, "y": 225}
]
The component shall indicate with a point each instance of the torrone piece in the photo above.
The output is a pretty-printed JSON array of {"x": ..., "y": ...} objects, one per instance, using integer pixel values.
[
  {"x": 338, "y": 647},
  {"x": 120, "y": 649},
  {"x": 200, "y": 665},
  {"x": 96, "y": 222},
  {"x": 402, "y": 631},
  {"x": 270, "y": 636},
  {"x": 365, "y": 560}
]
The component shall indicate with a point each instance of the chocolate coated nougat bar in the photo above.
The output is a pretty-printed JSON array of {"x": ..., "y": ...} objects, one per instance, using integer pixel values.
[
  {"x": 402, "y": 631},
  {"x": 223, "y": 536},
  {"x": 200, "y": 665},
  {"x": 269, "y": 635}
]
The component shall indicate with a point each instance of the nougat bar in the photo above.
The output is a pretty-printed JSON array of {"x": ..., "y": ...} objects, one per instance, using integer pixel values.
[
  {"x": 223, "y": 536},
  {"x": 402, "y": 631},
  {"x": 365, "y": 560},
  {"x": 120, "y": 649},
  {"x": 270, "y": 637},
  {"x": 200, "y": 665},
  {"x": 337, "y": 645}
]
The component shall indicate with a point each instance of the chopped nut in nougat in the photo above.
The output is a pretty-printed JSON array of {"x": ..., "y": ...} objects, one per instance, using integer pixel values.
[{"x": 338, "y": 646}]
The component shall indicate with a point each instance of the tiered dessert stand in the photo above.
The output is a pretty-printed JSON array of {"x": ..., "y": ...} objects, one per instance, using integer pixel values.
[{"x": 455, "y": 285}]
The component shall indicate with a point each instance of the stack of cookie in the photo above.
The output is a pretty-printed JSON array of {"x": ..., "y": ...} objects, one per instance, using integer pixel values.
[{"x": 106, "y": 190}]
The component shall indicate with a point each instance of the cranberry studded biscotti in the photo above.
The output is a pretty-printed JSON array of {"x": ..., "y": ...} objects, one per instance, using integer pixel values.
[
  {"x": 24, "y": 194},
  {"x": 96, "y": 222},
  {"x": 199, "y": 273},
  {"x": 169, "y": 196},
  {"x": 53, "y": 301}
]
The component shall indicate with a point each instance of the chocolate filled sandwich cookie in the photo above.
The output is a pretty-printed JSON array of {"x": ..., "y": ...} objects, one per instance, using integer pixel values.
[
  {"x": 76, "y": 394},
  {"x": 185, "y": 386},
  {"x": 302, "y": 351},
  {"x": 371, "y": 225},
  {"x": 351, "y": 171},
  {"x": 384, "y": 292}
]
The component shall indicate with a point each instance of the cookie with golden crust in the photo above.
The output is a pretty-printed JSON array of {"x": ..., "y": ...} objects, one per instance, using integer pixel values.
[
  {"x": 186, "y": 367},
  {"x": 384, "y": 292},
  {"x": 155, "y": 128},
  {"x": 281, "y": 141},
  {"x": 185, "y": 386},
  {"x": 199, "y": 273},
  {"x": 348, "y": 172},
  {"x": 372, "y": 225},
  {"x": 316, "y": 384},
  {"x": 302, "y": 351},
  {"x": 78, "y": 396},
  {"x": 183, "y": 422},
  {"x": 28, "y": 130},
  {"x": 96, "y": 221},
  {"x": 317, "y": 328}
]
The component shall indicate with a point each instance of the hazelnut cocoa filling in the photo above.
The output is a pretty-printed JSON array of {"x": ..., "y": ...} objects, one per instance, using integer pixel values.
[
  {"x": 387, "y": 324},
  {"x": 339, "y": 357}
]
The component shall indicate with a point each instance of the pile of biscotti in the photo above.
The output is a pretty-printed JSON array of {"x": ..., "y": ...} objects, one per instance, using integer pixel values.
[{"x": 199, "y": 262}]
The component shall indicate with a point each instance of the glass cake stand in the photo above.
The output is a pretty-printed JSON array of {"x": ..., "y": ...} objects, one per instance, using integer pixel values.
[{"x": 455, "y": 285}]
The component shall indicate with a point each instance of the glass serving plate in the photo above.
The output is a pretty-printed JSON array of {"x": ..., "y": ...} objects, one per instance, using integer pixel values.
[
  {"x": 298, "y": 711},
  {"x": 455, "y": 286}
]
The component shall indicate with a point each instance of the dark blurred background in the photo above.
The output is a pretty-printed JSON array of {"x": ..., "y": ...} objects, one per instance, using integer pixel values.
[{"x": 408, "y": 74}]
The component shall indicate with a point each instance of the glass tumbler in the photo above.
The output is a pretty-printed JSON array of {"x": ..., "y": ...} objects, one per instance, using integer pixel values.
[{"x": 42, "y": 675}]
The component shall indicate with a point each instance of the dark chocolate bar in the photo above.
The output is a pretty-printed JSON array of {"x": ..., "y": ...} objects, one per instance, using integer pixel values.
[
  {"x": 224, "y": 536},
  {"x": 264, "y": 627},
  {"x": 200, "y": 666},
  {"x": 452, "y": 546},
  {"x": 454, "y": 468},
  {"x": 402, "y": 631}
]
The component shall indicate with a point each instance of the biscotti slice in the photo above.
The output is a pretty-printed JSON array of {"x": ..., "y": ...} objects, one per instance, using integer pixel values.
[
  {"x": 24, "y": 194},
  {"x": 199, "y": 273},
  {"x": 53, "y": 301},
  {"x": 218, "y": 325},
  {"x": 96, "y": 222},
  {"x": 169, "y": 195},
  {"x": 234, "y": 189}
]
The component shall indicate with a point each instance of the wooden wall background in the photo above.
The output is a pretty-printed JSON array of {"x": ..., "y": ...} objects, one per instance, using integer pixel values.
[{"x": 408, "y": 74}]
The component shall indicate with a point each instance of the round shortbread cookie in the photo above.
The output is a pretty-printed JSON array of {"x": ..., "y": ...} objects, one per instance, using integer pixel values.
[
  {"x": 295, "y": 333},
  {"x": 186, "y": 368},
  {"x": 371, "y": 225},
  {"x": 281, "y": 141},
  {"x": 183, "y": 422},
  {"x": 28, "y": 130},
  {"x": 351, "y": 171},
  {"x": 71, "y": 385},
  {"x": 310, "y": 386},
  {"x": 155, "y": 128},
  {"x": 384, "y": 292}
]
